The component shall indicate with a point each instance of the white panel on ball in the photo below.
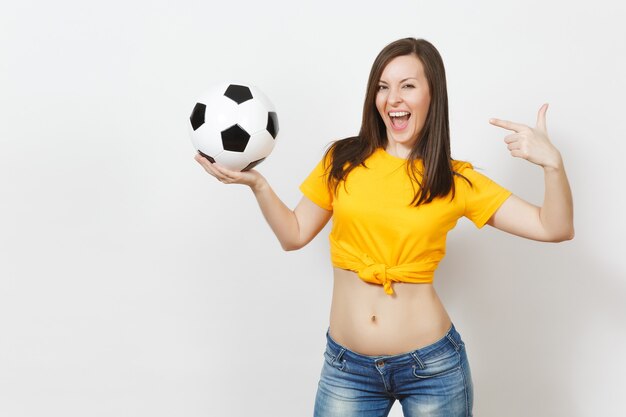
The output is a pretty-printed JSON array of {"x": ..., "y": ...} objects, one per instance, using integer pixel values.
[
  {"x": 259, "y": 95},
  {"x": 233, "y": 160},
  {"x": 220, "y": 110},
  {"x": 253, "y": 116},
  {"x": 260, "y": 145}
]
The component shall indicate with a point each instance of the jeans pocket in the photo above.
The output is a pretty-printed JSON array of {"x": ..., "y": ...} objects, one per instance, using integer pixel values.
[{"x": 447, "y": 363}]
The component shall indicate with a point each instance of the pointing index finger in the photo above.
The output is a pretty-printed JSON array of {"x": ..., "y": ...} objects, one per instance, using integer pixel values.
[{"x": 517, "y": 127}]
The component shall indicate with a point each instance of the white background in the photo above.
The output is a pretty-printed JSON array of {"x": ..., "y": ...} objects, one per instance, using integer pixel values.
[{"x": 132, "y": 283}]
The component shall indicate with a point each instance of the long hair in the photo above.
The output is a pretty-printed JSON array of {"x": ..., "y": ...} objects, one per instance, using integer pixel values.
[{"x": 433, "y": 142}]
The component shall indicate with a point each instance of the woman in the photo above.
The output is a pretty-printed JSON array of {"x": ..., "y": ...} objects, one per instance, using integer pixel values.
[{"x": 394, "y": 192}]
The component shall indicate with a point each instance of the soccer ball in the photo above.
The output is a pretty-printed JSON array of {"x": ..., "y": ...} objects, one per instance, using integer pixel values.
[{"x": 234, "y": 125}]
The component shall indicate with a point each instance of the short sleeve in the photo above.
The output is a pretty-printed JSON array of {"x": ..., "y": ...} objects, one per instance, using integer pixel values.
[
  {"x": 315, "y": 188},
  {"x": 483, "y": 198}
]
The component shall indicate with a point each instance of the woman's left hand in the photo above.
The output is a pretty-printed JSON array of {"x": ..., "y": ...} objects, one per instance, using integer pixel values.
[{"x": 530, "y": 143}]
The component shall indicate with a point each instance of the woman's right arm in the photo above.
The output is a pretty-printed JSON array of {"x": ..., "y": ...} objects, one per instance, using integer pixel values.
[{"x": 293, "y": 228}]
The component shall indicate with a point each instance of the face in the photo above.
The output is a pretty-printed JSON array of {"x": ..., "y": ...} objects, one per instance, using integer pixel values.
[{"x": 403, "y": 99}]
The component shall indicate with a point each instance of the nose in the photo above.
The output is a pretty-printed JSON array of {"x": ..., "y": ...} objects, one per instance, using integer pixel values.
[{"x": 394, "y": 96}]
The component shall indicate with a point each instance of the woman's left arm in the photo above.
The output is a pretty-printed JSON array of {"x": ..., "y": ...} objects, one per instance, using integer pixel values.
[{"x": 554, "y": 221}]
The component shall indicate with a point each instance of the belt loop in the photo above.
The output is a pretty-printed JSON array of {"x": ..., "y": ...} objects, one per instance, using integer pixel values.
[
  {"x": 339, "y": 355},
  {"x": 415, "y": 356},
  {"x": 454, "y": 342}
]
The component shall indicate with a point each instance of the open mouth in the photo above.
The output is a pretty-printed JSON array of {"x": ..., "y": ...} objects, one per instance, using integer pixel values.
[{"x": 399, "y": 119}]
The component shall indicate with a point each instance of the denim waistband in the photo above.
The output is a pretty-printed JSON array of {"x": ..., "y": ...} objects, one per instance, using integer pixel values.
[{"x": 452, "y": 339}]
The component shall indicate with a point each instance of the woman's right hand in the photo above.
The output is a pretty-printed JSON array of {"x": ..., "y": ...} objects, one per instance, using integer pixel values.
[{"x": 251, "y": 178}]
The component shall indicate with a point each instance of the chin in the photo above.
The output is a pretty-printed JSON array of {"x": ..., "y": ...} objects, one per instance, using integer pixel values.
[{"x": 402, "y": 140}]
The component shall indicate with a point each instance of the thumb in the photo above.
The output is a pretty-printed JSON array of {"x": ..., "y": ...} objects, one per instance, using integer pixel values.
[{"x": 541, "y": 118}]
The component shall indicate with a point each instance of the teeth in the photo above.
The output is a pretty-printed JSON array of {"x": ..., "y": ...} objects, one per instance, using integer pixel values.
[{"x": 399, "y": 113}]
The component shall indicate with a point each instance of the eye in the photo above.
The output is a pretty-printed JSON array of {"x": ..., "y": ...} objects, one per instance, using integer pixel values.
[
  {"x": 382, "y": 87},
  {"x": 408, "y": 86}
]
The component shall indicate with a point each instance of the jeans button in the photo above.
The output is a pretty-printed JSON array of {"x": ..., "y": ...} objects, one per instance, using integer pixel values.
[{"x": 380, "y": 363}]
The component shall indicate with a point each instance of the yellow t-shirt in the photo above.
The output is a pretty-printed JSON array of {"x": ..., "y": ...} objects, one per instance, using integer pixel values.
[{"x": 379, "y": 235}]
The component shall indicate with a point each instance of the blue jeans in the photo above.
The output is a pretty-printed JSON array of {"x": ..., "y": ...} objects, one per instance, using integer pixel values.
[{"x": 431, "y": 381}]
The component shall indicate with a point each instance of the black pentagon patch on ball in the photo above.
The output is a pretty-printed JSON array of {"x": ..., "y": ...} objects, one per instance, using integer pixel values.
[
  {"x": 238, "y": 93},
  {"x": 253, "y": 164},
  {"x": 235, "y": 139},
  {"x": 197, "y": 116},
  {"x": 206, "y": 156},
  {"x": 272, "y": 124}
]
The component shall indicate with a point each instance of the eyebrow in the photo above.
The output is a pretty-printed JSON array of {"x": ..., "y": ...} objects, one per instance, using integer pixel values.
[{"x": 406, "y": 79}]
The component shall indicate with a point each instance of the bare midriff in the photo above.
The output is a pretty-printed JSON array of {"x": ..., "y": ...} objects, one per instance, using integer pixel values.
[{"x": 366, "y": 320}]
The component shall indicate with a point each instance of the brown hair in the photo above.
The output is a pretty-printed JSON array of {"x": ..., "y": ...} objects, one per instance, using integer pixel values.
[{"x": 433, "y": 142}]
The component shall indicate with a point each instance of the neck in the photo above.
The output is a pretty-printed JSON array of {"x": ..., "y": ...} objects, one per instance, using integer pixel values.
[{"x": 397, "y": 150}]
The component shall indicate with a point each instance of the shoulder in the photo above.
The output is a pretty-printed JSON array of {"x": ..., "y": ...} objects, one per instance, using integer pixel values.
[
  {"x": 468, "y": 177},
  {"x": 460, "y": 166},
  {"x": 463, "y": 173},
  {"x": 350, "y": 143},
  {"x": 475, "y": 181},
  {"x": 348, "y": 153}
]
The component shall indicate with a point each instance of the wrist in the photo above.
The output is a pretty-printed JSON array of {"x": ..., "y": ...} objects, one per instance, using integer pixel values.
[
  {"x": 259, "y": 184},
  {"x": 556, "y": 164}
]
